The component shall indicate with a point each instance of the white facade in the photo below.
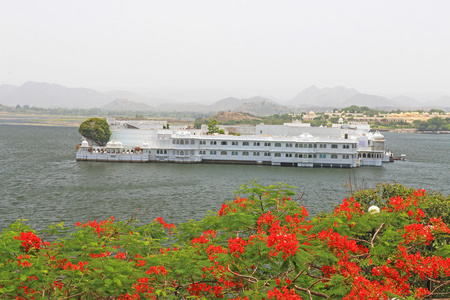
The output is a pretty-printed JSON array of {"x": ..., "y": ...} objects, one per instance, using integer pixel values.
[{"x": 279, "y": 145}]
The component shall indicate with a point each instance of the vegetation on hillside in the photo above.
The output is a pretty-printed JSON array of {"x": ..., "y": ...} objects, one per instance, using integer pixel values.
[
  {"x": 433, "y": 124},
  {"x": 237, "y": 118},
  {"x": 362, "y": 109},
  {"x": 97, "y": 112},
  {"x": 384, "y": 243}
]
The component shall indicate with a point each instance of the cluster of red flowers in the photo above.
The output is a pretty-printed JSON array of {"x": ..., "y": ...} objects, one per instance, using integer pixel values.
[
  {"x": 79, "y": 266},
  {"x": 144, "y": 285},
  {"x": 101, "y": 228},
  {"x": 366, "y": 289},
  {"x": 237, "y": 246},
  {"x": 437, "y": 225},
  {"x": 237, "y": 203},
  {"x": 203, "y": 289},
  {"x": 29, "y": 240},
  {"x": 340, "y": 244},
  {"x": 282, "y": 241},
  {"x": 349, "y": 207},
  {"x": 282, "y": 238},
  {"x": 214, "y": 250},
  {"x": 157, "y": 270},
  {"x": 22, "y": 262},
  {"x": 418, "y": 232},
  {"x": 141, "y": 287},
  {"x": 165, "y": 225},
  {"x": 204, "y": 238},
  {"x": 401, "y": 204},
  {"x": 284, "y": 293},
  {"x": 102, "y": 254},
  {"x": 431, "y": 267}
]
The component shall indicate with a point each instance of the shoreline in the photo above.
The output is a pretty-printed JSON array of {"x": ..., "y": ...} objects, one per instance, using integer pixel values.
[
  {"x": 75, "y": 121},
  {"x": 41, "y": 120}
]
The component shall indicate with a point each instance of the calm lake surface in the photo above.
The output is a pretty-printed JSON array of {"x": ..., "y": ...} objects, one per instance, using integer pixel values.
[{"x": 41, "y": 181}]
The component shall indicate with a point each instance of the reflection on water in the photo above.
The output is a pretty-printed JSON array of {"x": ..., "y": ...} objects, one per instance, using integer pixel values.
[{"x": 41, "y": 181}]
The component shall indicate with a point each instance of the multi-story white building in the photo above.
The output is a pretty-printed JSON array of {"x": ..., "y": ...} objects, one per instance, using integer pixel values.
[{"x": 279, "y": 145}]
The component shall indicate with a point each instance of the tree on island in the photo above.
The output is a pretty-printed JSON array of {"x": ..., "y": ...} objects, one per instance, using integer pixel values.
[
  {"x": 212, "y": 127},
  {"x": 95, "y": 130}
]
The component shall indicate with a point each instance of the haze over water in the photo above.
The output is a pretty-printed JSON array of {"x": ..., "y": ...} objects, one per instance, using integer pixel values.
[{"x": 41, "y": 181}]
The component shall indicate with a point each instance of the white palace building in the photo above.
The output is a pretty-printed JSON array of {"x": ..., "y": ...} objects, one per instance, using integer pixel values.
[{"x": 292, "y": 144}]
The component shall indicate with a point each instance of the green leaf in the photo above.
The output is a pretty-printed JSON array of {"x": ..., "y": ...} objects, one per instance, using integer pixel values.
[
  {"x": 117, "y": 281},
  {"x": 284, "y": 265}
]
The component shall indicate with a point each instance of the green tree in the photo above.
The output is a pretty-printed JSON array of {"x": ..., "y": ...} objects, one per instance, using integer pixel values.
[
  {"x": 96, "y": 130},
  {"x": 212, "y": 127},
  {"x": 435, "y": 110}
]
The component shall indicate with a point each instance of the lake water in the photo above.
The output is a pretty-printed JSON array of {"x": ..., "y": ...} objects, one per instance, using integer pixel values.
[{"x": 41, "y": 181}]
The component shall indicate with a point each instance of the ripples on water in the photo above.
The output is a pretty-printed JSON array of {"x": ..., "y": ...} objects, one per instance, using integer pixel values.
[{"x": 41, "y": 181}]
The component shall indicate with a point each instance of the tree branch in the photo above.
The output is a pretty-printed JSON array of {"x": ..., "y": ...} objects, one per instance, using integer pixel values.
[
  {"x": 311, "y": 292},
  {"x": 376, "y": 233}
]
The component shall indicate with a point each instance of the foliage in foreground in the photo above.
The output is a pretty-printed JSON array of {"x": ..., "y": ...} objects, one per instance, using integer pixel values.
[
  {"x": 95, "y": 129},
  {"x": 262, "y": 245}
]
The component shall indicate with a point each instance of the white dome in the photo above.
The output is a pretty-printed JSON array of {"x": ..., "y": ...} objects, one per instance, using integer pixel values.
[
  {"x": 114, "y": 144},
  {"x": 84, "y": 143},
  {"x": 378, "y": 136}
]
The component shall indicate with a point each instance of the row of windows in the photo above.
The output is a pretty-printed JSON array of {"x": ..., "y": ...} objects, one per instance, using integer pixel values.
[
  {"x": 370, "y": 155},
  {"x": 297, "y": 155},
  {"x": 268, "y": 144},
  {"x": 246, "y": 153},
  {"x": 184, "y": 142},
  {"x": 181, "y": 152}
]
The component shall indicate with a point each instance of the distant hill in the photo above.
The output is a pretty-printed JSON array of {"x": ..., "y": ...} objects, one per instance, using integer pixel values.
[
  {"x": 334, "y": 97},
  {"x": 262, "y": 107},
  {"x": 226, "y": 116},
  {"x": 46, "y": 95},
  {"x": 255, "y": 106},
  {"x": 43, "y": 94},
  {"x": 372, "y": 101},
  {"x": 226, "y": 104},
  {"x": 134, "y": 97},
  {"x": 127, "y": 105},
  {"x": 443, "y": 102},
  {"x": 180, "y": 107},
  {"x": 405, "y": 101}
]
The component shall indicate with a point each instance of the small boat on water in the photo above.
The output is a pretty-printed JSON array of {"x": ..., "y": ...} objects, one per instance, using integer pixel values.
[{"x": 402, "y": 157}]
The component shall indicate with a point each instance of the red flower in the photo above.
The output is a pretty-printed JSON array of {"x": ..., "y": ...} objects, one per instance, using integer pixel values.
[{"x": 29, "y": 240}]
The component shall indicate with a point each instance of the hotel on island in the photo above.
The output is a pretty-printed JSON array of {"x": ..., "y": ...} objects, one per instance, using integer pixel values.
[{"x": 292, "y": 144}]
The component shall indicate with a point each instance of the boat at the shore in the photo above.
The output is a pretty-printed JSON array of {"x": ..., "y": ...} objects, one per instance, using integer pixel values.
[{"x": 292, "y": 144}]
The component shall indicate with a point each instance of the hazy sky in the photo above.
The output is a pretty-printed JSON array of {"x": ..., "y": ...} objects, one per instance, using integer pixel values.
[{"x": 257, "y": 47}]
